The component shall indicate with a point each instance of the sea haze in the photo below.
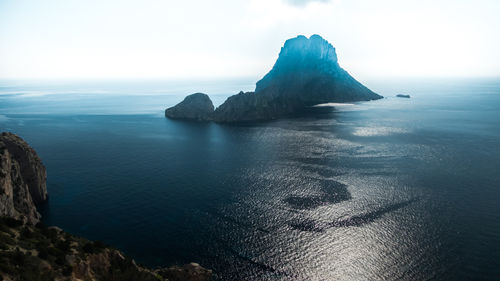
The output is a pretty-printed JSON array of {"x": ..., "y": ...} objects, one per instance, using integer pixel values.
[{"x": 393, "y": 189}]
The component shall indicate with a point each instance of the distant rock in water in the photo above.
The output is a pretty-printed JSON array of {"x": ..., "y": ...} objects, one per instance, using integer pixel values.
[
  {"x": 306, "y": 73},
  {"x": 22, "y": 179},
  {"x": 403, "y": 96},
  {"x": 197, "y": 107}
]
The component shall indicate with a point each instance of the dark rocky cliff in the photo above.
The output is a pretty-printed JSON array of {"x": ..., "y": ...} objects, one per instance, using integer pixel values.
[
  {"x": 306, "y": 73},
  {"x": 194, "y": 107},
  {"x": 22, "y": 179}
]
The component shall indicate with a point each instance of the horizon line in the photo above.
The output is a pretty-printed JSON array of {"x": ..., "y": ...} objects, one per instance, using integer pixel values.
[{"x": 229, "y": 77}]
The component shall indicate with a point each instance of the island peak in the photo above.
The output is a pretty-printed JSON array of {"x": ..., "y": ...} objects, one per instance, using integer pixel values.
[{"x": 306, "y": 73}]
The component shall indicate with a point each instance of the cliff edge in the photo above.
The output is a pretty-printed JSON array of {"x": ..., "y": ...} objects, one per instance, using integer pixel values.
[{"x": 22, "y": 179}]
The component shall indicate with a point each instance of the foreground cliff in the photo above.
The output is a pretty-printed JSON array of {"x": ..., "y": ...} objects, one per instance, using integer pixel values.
[
  {"x": 38, "y": 252},
  {"x": 22, "y": 179},
  {"x": 306, "y": 73},
  {"x": 31, "y": 251}
]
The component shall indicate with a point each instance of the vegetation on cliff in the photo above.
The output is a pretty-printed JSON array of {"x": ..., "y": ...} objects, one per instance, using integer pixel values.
[{"x": 39, "y": 252}]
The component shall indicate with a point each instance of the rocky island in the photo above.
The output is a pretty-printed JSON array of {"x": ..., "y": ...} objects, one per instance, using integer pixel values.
[
  {"x": 305, "y": 74},
  {"x": 194, "y": 107},
  {"x": 30, "y": 250}
]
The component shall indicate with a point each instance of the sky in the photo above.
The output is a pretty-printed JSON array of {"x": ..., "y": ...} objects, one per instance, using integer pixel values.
[{"x": 236, "y": 38}]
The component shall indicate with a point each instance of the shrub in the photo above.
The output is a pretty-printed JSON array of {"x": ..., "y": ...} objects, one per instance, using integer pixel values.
[
  {"x": 53, "y": 251},
  {"x": 43, "y": 254},
  {"x": 6, "y": 268},
  {"x": 88, "y": 248},
  {"x": 40, "y": 225},
  {"x": 7, "y": 239},
  {"x": 42, "y": 245},
  {"x": 5, "y": 228},
  {"x": 67, "y": 270},
  {"x": 18, "y": 258},
  {"x": 11, "y": 222},
  {"x": 60, "y": 260},
  {"x": 63, "y": 245},
  {"x": 49, "y": 233},
  {"x": 99, "y": 245},
  {"x": 26, "y": 233},
  {"x": 93, "y": 247}
]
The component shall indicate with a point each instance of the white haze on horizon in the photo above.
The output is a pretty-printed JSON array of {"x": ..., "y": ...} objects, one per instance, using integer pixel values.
[{"x": 236, "y": 38}]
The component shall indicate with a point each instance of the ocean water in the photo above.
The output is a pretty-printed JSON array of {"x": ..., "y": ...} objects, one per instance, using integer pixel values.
[{"x": 394, "y": 189}]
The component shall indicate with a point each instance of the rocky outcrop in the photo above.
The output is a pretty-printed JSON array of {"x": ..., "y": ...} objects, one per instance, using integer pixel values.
[
  {"x": 32, "y": 168},
  {"x": 197, "y": 107},
  {"x": 306, "y": 73},
  {"x": 38, "y": 252},
  {"x": 22, "y": 179},
  {"x": 188, "y": 272}
]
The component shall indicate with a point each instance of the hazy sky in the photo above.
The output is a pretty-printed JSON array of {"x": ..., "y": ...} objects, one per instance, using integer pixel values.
[{"x": 228, "y": 38}]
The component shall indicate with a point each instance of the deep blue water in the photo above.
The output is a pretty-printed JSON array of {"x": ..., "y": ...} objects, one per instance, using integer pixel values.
[{"x": 394, "y": 189}]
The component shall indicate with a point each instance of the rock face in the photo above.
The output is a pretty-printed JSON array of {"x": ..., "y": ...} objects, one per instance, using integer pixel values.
[
  {"x": 188, "y": 272},
  {"x": 306, "y": 73},
  {"x": 197, "y": 107},
  {"x": 22, "y": 179},
  {"x": 38, "y": 252}
]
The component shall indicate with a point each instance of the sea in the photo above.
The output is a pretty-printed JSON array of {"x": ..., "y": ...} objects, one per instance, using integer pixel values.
[{"x": 393, "y": 189}]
